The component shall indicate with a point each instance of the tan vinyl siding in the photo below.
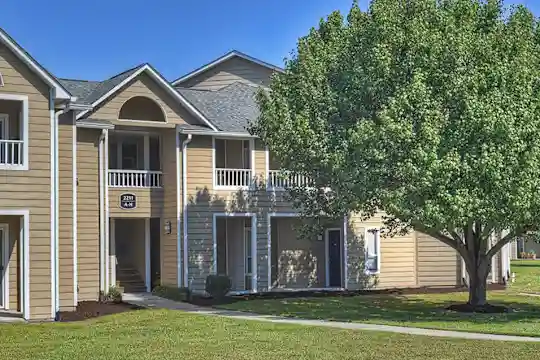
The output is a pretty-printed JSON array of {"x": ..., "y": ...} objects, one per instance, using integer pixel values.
[
  {"x": 301, "y": 261},
  {"x": 88, "y": 213},
  {"x": 233, "y": 70},
  {"x": 149, "y": 203},
  {"x": 65, "y": 206},
  {"x": 143, "y": 85},
  {"x": 438, "y": 264},
  {"x": 31, "y": 189},
  {"x": 398, "y": 257}
]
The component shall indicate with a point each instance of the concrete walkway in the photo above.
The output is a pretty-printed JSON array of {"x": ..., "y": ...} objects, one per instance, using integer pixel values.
[{"x": 155, "y": 302}]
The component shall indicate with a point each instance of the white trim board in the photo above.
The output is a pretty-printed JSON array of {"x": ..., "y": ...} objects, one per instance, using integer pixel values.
[
  {"x": 24, "y": 257},
  {"x": 253, "y": 243},
  {"x": 222, "y": 59},
  {"x": 24, "y": 126},
  {"x": 60, "y": 91},
  {"x": 4, "y": 262},
  {"x": 163, "y": 83}
]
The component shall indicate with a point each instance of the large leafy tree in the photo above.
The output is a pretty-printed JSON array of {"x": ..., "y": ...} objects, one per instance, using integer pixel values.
[{"x": 425, "y": 110}]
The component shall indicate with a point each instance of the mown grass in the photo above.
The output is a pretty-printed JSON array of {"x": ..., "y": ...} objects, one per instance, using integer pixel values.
[
  {"x": 165, "y": 334},
  {"x": 427, "y": 311},
  {"x": 527, "y": 276}
]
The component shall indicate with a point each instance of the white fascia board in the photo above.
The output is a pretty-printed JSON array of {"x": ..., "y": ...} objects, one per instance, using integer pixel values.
[{"x": 60, "y": 92}]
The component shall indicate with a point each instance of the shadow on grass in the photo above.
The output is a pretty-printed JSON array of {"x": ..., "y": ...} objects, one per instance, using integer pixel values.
[{"x": 387, "y": 308}]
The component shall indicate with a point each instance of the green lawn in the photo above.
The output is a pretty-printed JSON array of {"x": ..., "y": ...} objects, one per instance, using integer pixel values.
[
  {"x": 425, "y": 311},
  {"x": 151, "y": 334},
  {"x": 527, "y": 276}
]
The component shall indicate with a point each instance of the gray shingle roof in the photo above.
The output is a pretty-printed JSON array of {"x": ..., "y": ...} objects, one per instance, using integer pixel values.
[
  {"x": 231, "y": 108},
  {"x": 89, "y": 91}
]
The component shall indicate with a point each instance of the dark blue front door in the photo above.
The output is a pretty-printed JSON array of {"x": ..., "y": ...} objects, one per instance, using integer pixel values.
[{"x": 334, "y": 258}]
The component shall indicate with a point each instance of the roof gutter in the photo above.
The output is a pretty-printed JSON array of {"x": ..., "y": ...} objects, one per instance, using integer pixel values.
[
  {"x": 185, "y": 143},
  {"x": 217, "y": 133}
]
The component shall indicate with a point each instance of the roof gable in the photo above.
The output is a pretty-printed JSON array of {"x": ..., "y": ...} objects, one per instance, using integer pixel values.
[
  {"x": 104, "y": 90},
  {"x": 221, "y": 60},
  {"x": 61, "y": 92}
]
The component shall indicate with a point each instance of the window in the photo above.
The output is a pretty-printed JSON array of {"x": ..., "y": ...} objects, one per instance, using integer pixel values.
[
  {"x": 247, "y": 258},
  {"x": 1, "y": 80},
  {"x": 246, "y": 158},
  {"x": 129, "y": 155},
  {"x": 372, "y": 248}
]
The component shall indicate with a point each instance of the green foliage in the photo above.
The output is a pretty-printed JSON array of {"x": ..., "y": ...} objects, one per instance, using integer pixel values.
[
  {"x": 426, "y": 110},
  {"x": 218, "y": 285},
  {"x": 113, "y": 295},
  {"x": 172, "y": 293}
]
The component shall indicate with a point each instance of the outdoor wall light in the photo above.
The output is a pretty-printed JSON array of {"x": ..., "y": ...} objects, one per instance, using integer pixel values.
[{"x": 167, "y": 227}]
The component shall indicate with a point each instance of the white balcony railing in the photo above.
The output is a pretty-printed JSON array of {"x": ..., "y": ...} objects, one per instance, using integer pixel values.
[
  {"x": 233, "y": 177},
  {"x": 135, "y": 178},
  {"x": 11, "y": 152},
  {"x": 279, "y": 179}
]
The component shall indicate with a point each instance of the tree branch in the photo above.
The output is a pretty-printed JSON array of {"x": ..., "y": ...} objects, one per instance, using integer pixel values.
[
  {"x": 505, "y": 240},
  {"x": 456, "y": 244}
]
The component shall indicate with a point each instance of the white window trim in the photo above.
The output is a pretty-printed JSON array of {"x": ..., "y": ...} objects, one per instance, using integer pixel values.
[
  {"x": 252, "y": 163},
  {"x": 24, "y": 261},
  {"x": 378, "y": 242},
  {"x": 4, "y": 261},
  {"x": 4, "y": 123},
  {"x": 253, "y": 217},
  {"x": 24, "y": 127},
  {"x": 1, "y": 80}
]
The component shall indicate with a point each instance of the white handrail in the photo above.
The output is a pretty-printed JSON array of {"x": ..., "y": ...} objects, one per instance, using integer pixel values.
[
  {"x": 11, "y": 152},
  {"x": 283, "y": 179},
  {"x": 233, "y": 177},
  {"x": 135, "y": 178}
]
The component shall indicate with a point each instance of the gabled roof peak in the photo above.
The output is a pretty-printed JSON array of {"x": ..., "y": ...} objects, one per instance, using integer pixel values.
[{"x": 231, "y": 54}]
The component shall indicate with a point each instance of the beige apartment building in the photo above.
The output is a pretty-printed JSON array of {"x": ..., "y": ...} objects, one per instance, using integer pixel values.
[{"x": 135, "y": 181}]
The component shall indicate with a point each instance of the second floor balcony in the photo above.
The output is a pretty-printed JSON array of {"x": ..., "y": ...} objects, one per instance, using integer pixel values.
[
  {"x": 233, "y": 164},
  {"x": 13, "y": 148},
  {"x": 134, "y": 161}
]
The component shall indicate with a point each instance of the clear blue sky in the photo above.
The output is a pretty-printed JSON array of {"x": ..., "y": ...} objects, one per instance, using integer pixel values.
[{"x": 98, "y": 38}]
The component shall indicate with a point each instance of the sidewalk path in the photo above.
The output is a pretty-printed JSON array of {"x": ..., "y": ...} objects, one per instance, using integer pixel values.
[{"x": 155, "y": 302}]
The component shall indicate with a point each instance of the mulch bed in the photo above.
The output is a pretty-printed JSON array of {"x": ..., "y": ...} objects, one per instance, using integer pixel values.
[
  {"x": 90, "y": 309},
  {"x": 208, "y": 301}
]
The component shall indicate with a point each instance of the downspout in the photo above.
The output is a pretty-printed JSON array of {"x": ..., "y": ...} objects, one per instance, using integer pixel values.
[
  {"x": 52, "y": 119},
  {"x": 184, "y": 203},
  {"x": 75, "y": 215},
  {"x": 106, "y": 207},
  {"x": 101, "y": 212}
]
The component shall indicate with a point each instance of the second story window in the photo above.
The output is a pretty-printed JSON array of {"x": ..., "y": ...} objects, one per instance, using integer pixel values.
[
  {"x": 134, "y": 160},
  {"x": 13, "y": 132},
  {"x": 232, "y": 163}
]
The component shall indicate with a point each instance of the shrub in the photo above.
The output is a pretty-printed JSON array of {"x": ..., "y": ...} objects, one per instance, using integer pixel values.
[
  {"x": 218, "y": 285},
  {"x": 114, "y": 295},
  {"x": 172, "y": 293}
]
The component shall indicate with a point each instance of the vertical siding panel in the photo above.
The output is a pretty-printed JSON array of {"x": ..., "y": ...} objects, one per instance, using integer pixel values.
[{"x": 88, "y": 213}]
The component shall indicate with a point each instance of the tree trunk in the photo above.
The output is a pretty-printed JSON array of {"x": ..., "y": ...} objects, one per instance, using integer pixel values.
[{"x": 478, "y": 284}]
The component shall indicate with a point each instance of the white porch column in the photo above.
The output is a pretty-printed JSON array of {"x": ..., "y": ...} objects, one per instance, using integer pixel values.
[
  {"x": 112, "y": 259},
  {"x": 148, "y": 277},
  {"x": 146, "y": 152}
]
